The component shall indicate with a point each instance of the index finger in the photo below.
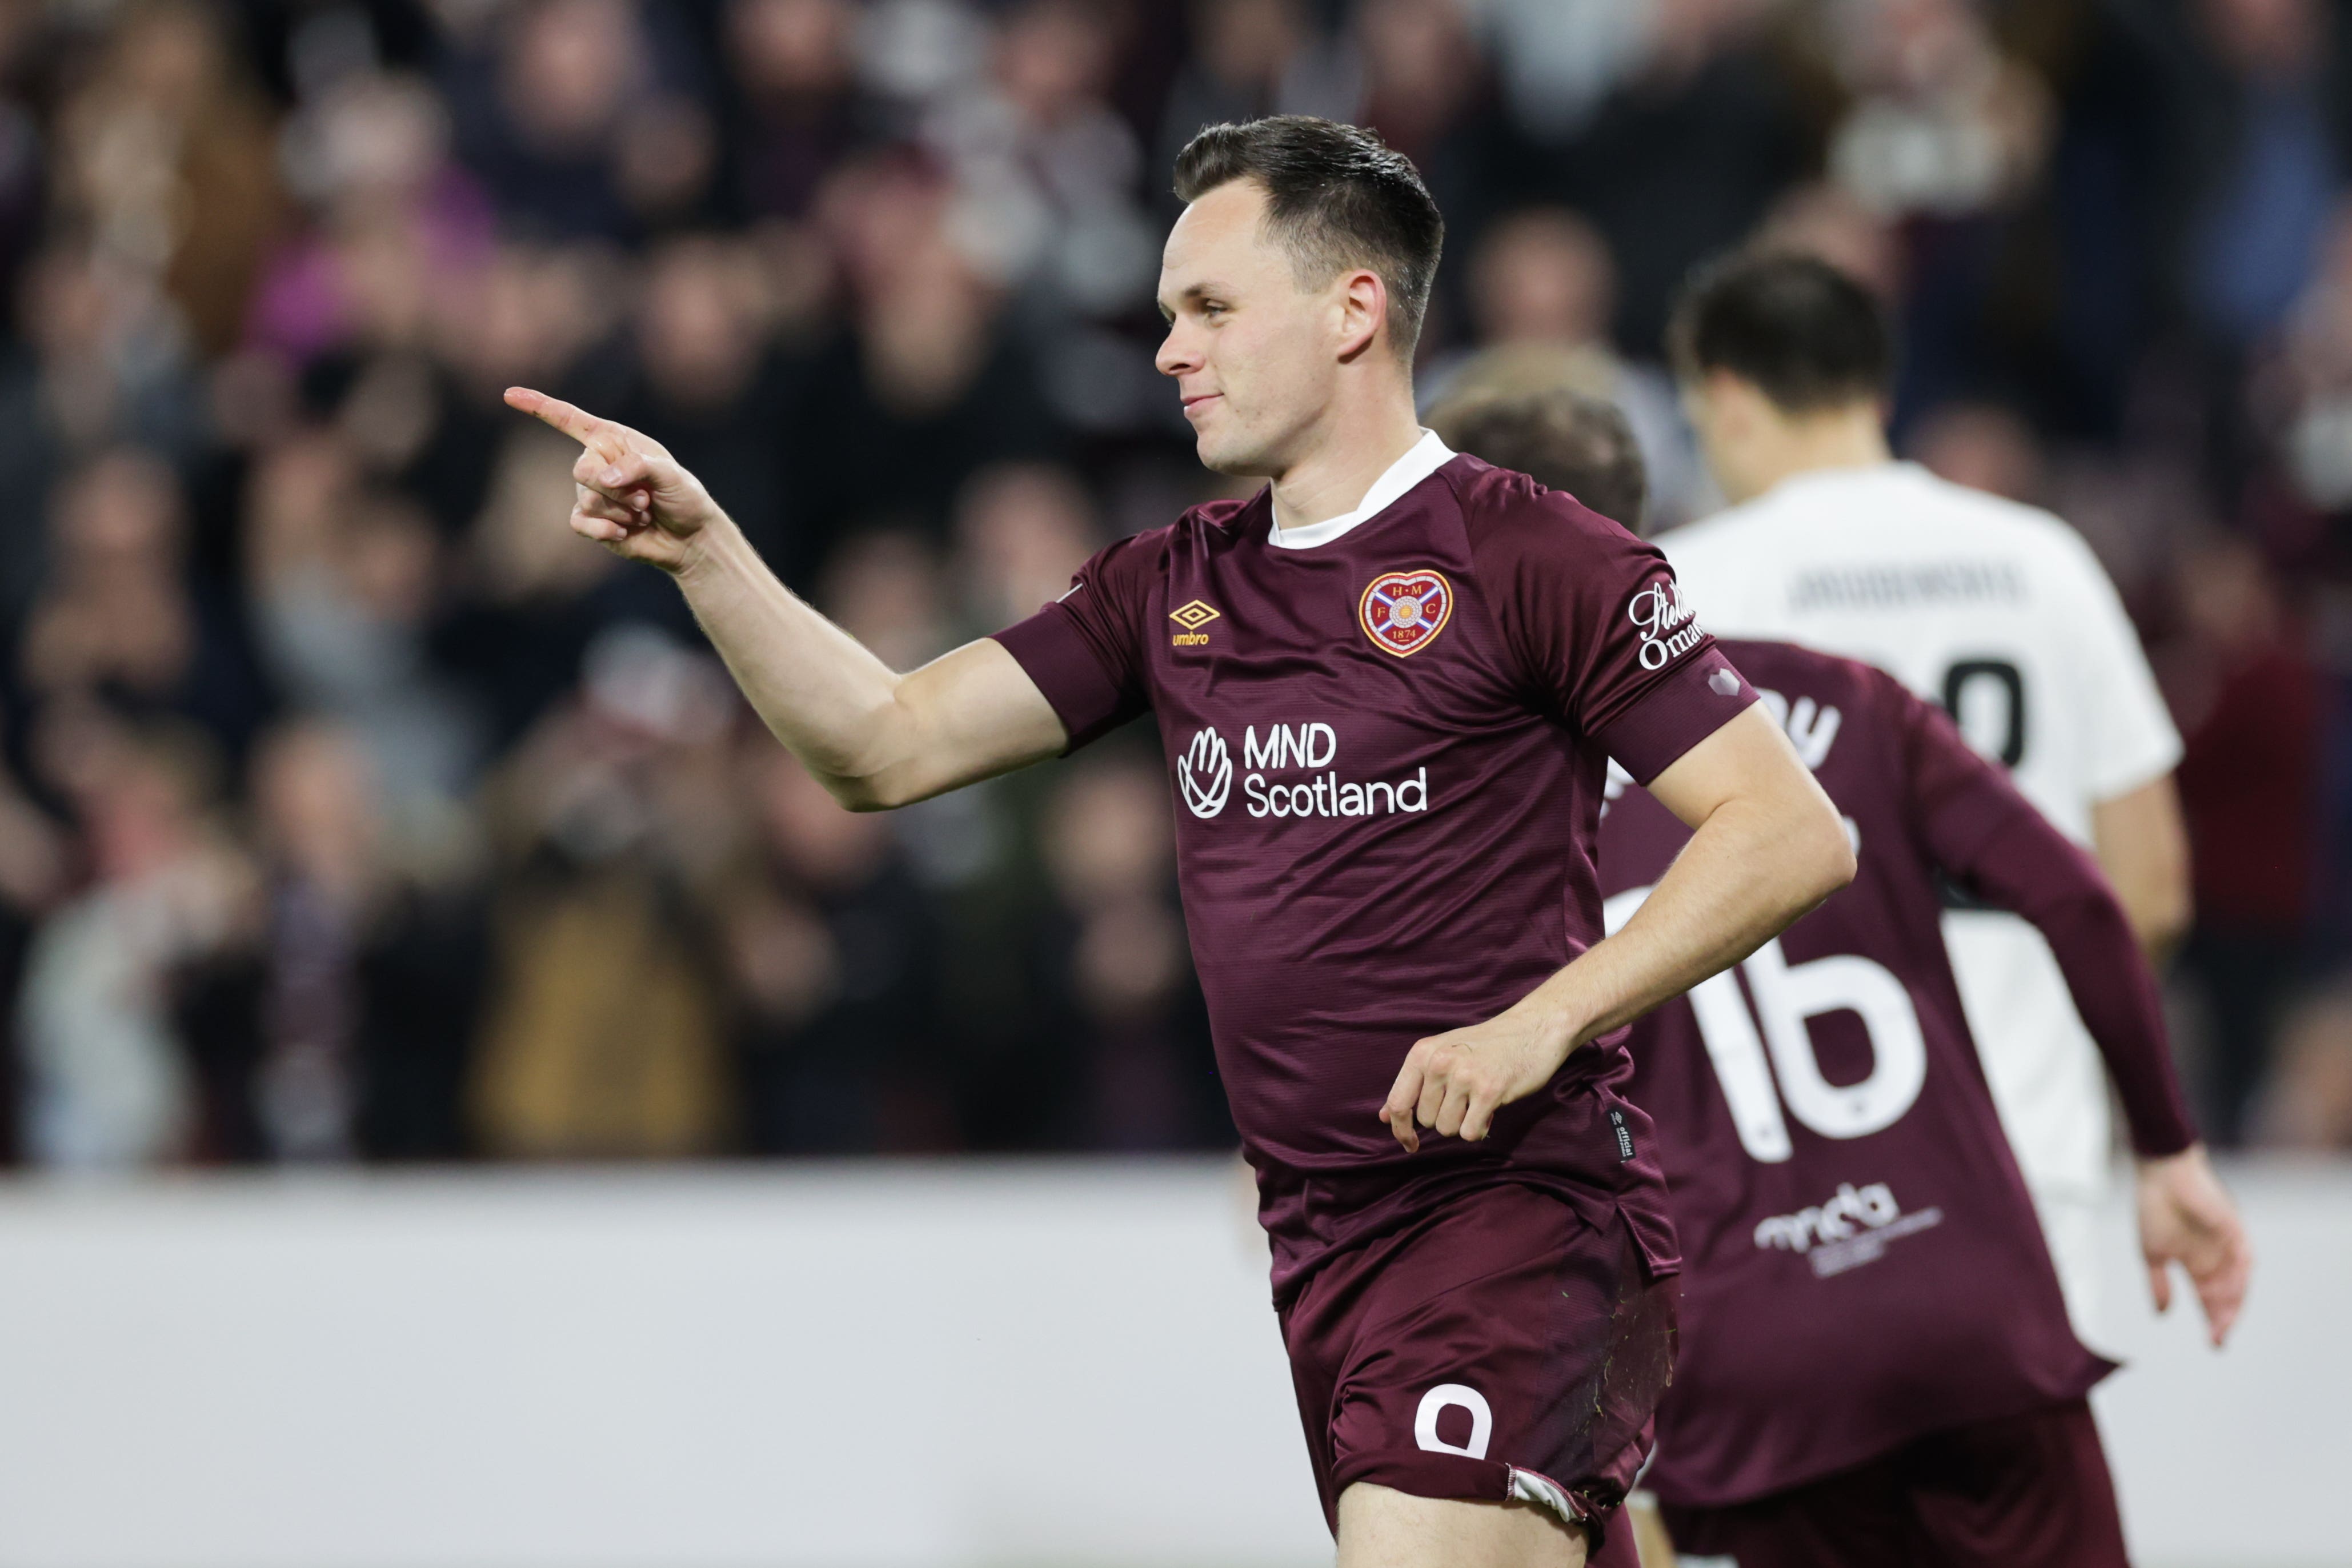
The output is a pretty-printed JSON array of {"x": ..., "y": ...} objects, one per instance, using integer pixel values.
[{"x": 575, "y": 423}]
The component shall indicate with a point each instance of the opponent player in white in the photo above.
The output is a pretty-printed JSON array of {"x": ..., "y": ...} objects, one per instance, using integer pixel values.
[{"x": 1999, "y": 611}]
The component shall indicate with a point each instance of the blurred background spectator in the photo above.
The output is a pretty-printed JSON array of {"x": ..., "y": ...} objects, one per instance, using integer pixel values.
[{"x": 350, "y": 808}]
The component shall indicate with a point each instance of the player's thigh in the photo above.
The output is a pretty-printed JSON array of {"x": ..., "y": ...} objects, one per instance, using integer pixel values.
[
  {"x": 1380, "y": 1527},
  {"x": 1508, "y": 1351}
]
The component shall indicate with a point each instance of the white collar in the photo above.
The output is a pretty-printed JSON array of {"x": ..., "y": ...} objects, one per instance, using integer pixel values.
[
  {"x": 1424, "y": 457},
  {"x": 1806, "y": 479}
]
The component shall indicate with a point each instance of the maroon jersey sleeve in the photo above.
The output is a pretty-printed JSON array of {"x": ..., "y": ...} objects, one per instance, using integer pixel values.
[
  {"x": 1084, "y": 649},
  {"x": 1989, "y": 839},
  {"x": 1599, "y": 625}
]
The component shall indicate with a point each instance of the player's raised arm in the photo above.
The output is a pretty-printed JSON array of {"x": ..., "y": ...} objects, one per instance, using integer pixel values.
[
  {"x": 1767, "y": 846},
  {"x": 873, "y": 737}
]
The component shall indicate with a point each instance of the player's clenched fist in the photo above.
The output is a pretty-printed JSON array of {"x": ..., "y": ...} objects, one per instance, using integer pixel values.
[
  {"x": 1455, "y": 1082},
  {"x": 630, "y": 495}
]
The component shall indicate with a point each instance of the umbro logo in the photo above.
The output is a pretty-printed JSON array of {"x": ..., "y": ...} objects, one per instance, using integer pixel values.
[{"x": 1192, "y": 617}]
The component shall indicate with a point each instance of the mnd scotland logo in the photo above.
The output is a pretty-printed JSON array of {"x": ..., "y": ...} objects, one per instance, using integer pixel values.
[{"x": 1204, "y": 774}]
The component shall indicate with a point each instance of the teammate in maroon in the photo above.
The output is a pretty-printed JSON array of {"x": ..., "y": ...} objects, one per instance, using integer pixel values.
[
  {"x": 1876, "y": 1364},
  {"x": 1388, "y": 687}
]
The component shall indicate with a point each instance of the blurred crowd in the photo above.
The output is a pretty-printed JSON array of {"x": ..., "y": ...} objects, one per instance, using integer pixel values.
[{"x": 354, "y": 809}]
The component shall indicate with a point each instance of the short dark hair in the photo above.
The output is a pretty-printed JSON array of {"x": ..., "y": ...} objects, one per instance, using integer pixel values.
[
  {"x": 1336, "y": 196},
  {"x": 1561, "y": 439},
  {"x": 1808, "y": 336}
]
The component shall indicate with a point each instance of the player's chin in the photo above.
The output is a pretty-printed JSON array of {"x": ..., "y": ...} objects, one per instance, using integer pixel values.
[{"x": 1226, "y": 456}]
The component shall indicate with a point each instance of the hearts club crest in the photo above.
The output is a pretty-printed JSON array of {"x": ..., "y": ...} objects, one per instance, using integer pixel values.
[{"x": 1403, "y": 611}]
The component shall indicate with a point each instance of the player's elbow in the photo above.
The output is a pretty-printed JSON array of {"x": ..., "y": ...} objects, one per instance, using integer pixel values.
[
  {"x": 1820, "y": 853},
  {"x": 872, "y": 792},
  {"x": 881, "y": 771},
  {"x": 862, "y": 800}
]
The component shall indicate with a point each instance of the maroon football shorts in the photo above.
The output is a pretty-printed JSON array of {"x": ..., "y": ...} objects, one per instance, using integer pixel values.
[
  {"x": 1496, "y": 1348},
  {"x": 2027, "y": 1491}
]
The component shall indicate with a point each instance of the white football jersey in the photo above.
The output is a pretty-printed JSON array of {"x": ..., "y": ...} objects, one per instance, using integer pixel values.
[{"x": 2002, "y": 614}]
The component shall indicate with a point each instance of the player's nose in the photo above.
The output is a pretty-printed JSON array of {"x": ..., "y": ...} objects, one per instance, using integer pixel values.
[{"x": 1178, "y": 355}]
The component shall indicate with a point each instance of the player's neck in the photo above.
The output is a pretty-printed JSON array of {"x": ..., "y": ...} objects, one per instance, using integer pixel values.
[
  {"x": 1840, "y": 438},
  {"x": 1357, "y": 446}
]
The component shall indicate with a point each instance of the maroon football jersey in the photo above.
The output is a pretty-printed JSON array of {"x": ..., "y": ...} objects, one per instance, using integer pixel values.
[
  {"x": 1387, "y": 753},
  {"x": 1862, "y": 1262}
]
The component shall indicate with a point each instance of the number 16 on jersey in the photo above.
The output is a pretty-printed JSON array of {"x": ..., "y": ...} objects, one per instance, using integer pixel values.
[{"x": 1786, "y": 997}]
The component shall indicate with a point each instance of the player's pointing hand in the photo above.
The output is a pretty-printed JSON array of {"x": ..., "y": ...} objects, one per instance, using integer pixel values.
[
  {"x": 2185, "y": 1217},
  {"x": 629, "y": 495},
  {"x": 1455, "y": 1082}
]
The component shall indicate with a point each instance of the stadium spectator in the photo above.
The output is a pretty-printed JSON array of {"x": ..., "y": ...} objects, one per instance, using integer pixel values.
[
  {"x": 1541, "y": 285},
  {"x": 1252, "y": 57},
  {"x": 1126, "y": 1010},
  {"x": 578, "y": 120},
  {"x": 2308, "y": 1105},
  {"x": 395, "y": 222},
  {"x": 164, "y": 157},
  {"x": 1021, "y": 529},
  {"x": 708, "y": 381},
  {"x": 604, "y": 1029},
  {"x": 928, "y": 387},
  {"x": 108, "y": 1084},
  {"x": 796, "y": 109},
  {"x": 1685, "y": 155},
  {"x": 341, "y": 593},
  {"x": 1984, "y": 446},
  {"x": 2249, "y": 701},
  {"x": 118, "y": 617},
  {"x": 834, "y": 951}
]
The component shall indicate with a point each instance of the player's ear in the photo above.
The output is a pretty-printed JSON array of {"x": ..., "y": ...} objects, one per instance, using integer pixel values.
[{"x": 1360, "y": 309}]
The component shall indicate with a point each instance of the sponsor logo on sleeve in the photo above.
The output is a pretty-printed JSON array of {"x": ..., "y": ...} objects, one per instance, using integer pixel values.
[
  {"x": 1401, "y": 611},
  {"x": 1663, "y": 620}
]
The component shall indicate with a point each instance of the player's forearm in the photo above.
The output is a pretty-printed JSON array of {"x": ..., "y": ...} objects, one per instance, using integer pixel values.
[
  {"x": 2031, "y": 869},
  {"x": 831, "y": 703},
  {"x": 2143, "y": 846},
  {"x": 1751, "y": 867}
]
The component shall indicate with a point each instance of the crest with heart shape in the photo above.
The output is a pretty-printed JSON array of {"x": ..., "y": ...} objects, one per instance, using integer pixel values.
[{"x": 1403, "y": 611}]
